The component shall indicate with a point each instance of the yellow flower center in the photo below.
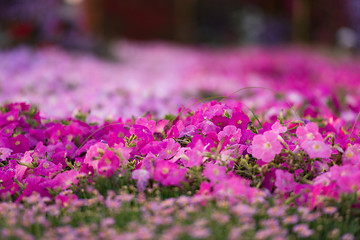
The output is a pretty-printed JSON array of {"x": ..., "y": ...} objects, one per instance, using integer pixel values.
[
  {"x": 46, "y": 165},
  {"x": 267, "y": 145},
  {"x": 165, "y": 170},
  {"x": 316, "y": 146},
  {"x": 310, "y": 136},
  {"x": 349, "y": 154},
  {"x": 17, "y": 143},
  {"x": 108, "y": 161}
]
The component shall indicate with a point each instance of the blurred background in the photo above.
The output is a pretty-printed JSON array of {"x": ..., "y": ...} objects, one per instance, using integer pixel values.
[
  {"x": 92, "y": 24},
  {"x": 128, "y": 57}
]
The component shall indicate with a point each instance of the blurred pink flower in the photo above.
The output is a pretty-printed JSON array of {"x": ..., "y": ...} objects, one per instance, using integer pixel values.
[
  {"x": 317, "y": 149},
  {"x": 214, "y": 172},
  {"x": 284, "y": 181}
]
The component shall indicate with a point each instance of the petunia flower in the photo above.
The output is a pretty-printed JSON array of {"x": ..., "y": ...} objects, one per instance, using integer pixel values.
[
  {"x": 142, "y": 176},
  {"x": 317, "y": 149},
  {"x": 308, "y": 133},
  {"x": 5, "y": 153},
  {"x": 284, "y": 181},
  {"x": 266, "y": 146},
  {"x": 214, "y": 172}
]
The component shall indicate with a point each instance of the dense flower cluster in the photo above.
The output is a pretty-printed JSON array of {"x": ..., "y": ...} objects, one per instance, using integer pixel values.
[
  {"x": 215, "y": 169},
  {"x": 214, "y": 151}
]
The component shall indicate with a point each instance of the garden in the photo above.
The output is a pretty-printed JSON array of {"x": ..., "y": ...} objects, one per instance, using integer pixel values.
[{"x": 162, "y": 140}]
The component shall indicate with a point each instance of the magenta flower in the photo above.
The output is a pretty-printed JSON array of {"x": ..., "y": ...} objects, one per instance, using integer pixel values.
[
  {"x": 47, "y": 168},
  {"x": 19, "y": 144},
  {"x": 143, "y": 134},
  {"x": 167, "y": 173},
  {"x": 266, "y": 146},
  {"x": 317, "y": 149},
  {"x": 150, "y": 124},
  {"x": 108, "y": 164},
  {"x": 239, "y": 120},
  {"x": 284, "y": 181},
  {"x": 9, "y": 117}
]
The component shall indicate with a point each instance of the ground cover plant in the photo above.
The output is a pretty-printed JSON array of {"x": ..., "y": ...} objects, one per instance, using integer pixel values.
[{"x": 262, "y": 163}]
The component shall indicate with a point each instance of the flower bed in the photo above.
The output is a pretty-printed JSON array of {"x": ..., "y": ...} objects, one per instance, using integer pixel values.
[{"x": 263, "y": 165}]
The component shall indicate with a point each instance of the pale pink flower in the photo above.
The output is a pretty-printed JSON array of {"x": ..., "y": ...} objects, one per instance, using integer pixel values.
[
  {"x": 278, "y": 128},
  {"x": 214, "y": 173},
  {"x": 308, "y": 133},
  {"x": 5, "y": 153},
  {"x": 351, "y": 155},
  {"x": 231, "y": 134},
  {"x": 266, "y": 146},
  {"x": 317, "y": 149}
]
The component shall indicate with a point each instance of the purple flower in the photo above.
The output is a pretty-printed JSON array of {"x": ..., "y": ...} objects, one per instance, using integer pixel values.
[{"x": 142, "y": 176}]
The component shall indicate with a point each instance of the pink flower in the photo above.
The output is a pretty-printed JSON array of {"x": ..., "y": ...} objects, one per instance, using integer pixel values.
[
  {"x": 169, "y": 148},
  {"x": 123, "y": 152},
  {"x": 308, "y": 133},
  {"x": 207, "y": 126},
  {"x": 5, "y": 153},
  {"x": 266, "y": 146},
  {"x": 64, "y": 180},
  {"x": 167, "y": 173},
  {"x": 95, "y": 152},
  {"x": 150, "y": 124},
  {"x": 284, "y": 181},
  {"x": 317, "y": 149},
  {"x": 235, "y": 188},
  {"x": 230, "y": 134},
  {"x": 278, "y": 128},
  {"x": 351, "y": 155},
  {"x": 65, "y": 200},
  {"x": 214, "y": 173},
  {"x": 108, "y": 164},
  {"x": 21, "y": 169},
  {"x": 205, "y": 188},
  {"x": 193, "y": 156},
  {"x": 160, "y": 125}
]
